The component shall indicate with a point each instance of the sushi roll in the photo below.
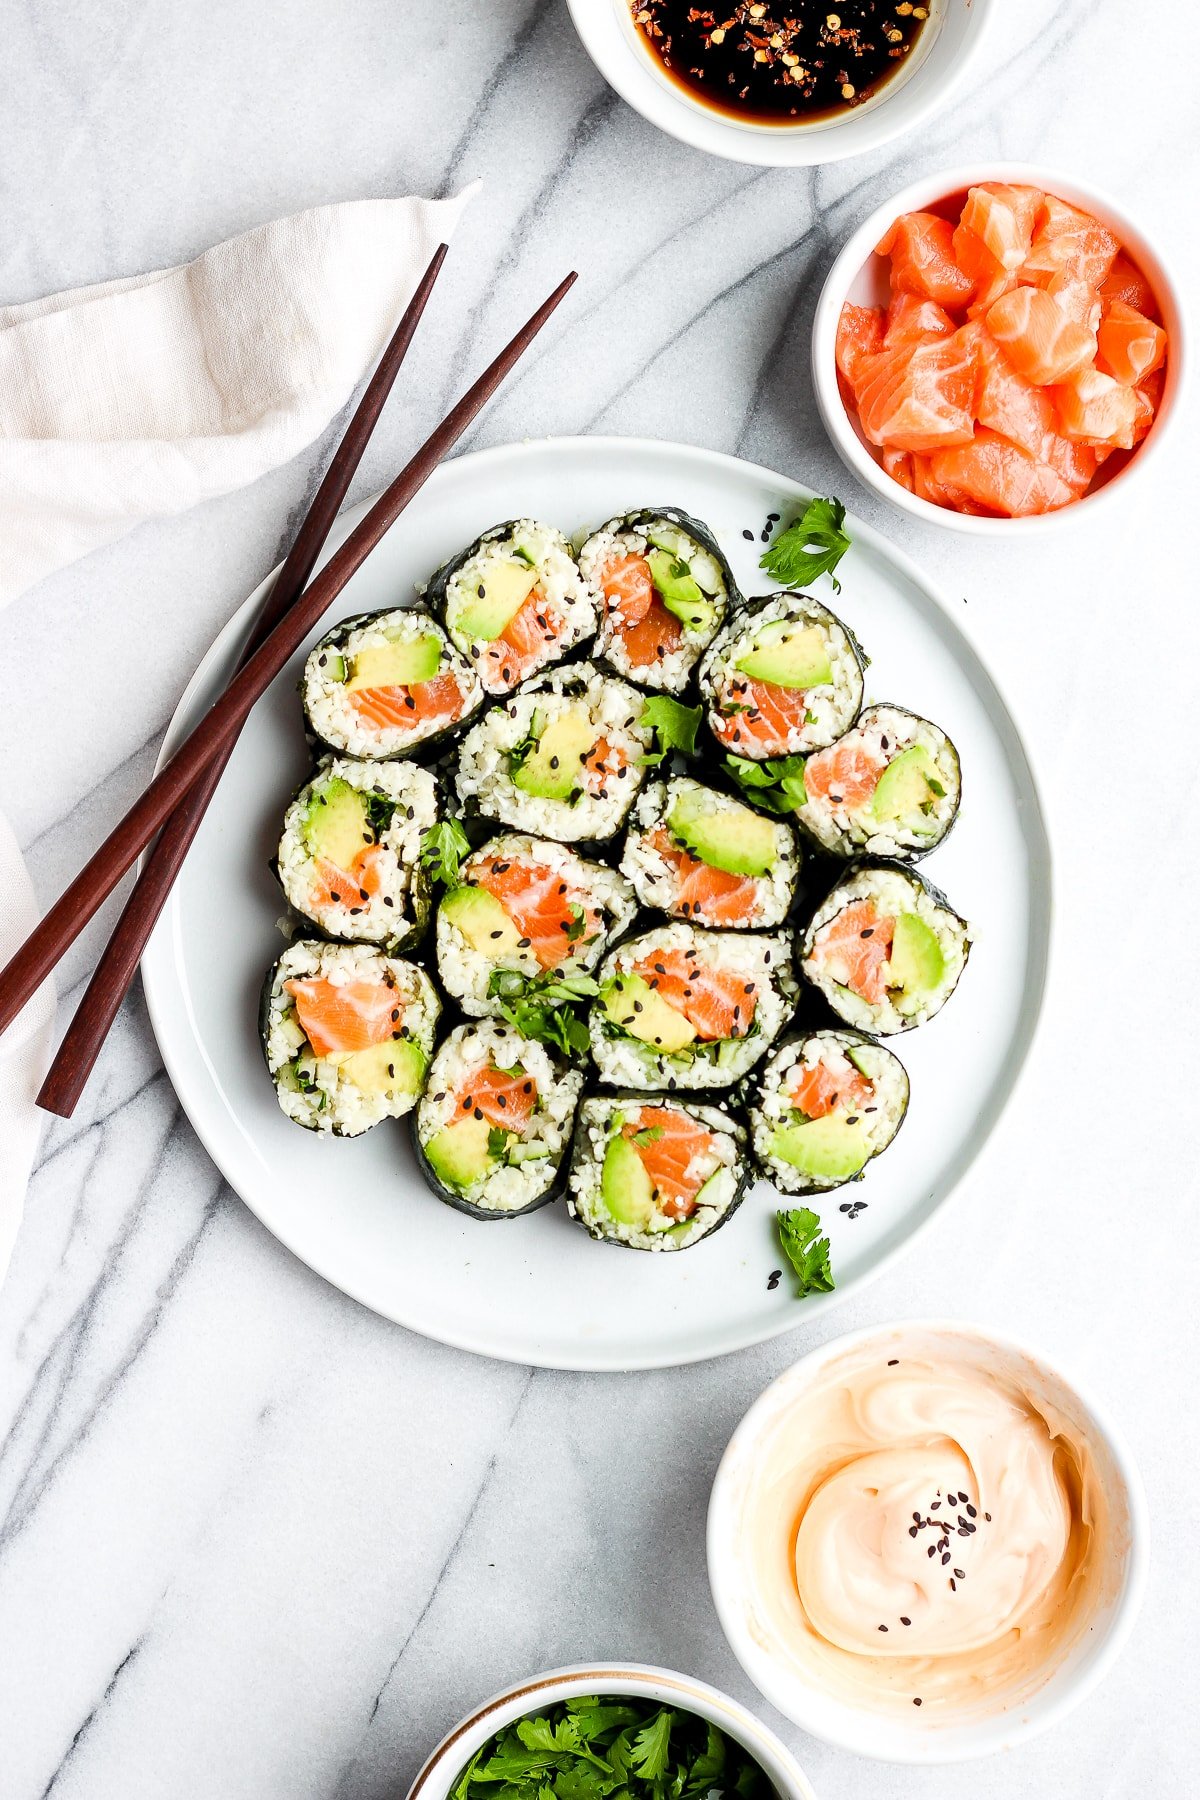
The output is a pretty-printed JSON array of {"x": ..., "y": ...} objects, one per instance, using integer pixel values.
[
  {"x": 885, "y": 948},
  {"x": 655, "y": 1175},
  {"x": 513, "y": 602},
  {"x": 525, "y": 908},
  {"x": 495, "y": 1122},
  {"x": 348, "y": 858},
  {"x": 347, "y": 1033},
  {"x": 681, "y": 1008},
  {"x": 698, "y": 854},
  {"x": 784, "y": 677},
  {"x": 387, "y": 684},
  {"x": 562, "y": 758},
  {"x": 824, "y": 1105},
  {"x": 889, "y": 787},
  {"x": 664, "y": 589}
]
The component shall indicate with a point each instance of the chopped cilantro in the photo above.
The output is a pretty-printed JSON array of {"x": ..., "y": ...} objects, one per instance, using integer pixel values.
[
  {"x": 807, "y": 1252},
  {"x": 812, "y": 545}
]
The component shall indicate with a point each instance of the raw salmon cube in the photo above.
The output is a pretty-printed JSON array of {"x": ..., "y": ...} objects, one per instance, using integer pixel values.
[
  {"x": 922, "y": 396},
  {"x": 921, "y": 247},
  {"x": 1147, "y": 397},
  {"x": 899, "y": 465},
  {"x": 913, "y": 320},
  {"x": 1069, "y": 242},
  {"x": 1001, "y": 477},
  {"x": 859, "y": 334},
  {"x": 1002, "y": 219},
  {"x": 1126, "y": 282},
  {"x": 1008, "y": 404},
  {"x": 1129, "y": 346},
  {"x": 1095, "y": 409},
  {"x": 1037, "y": 336}
]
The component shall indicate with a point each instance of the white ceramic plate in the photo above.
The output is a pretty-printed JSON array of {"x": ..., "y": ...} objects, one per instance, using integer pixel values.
[{"x": 538, "y": 1289}]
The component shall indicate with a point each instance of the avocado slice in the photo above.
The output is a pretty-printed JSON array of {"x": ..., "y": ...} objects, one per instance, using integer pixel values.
[
  {"x": 788, "y": 655},
  {"x": 828, "y": 1149},
  {"x": 680, "y": 592},
  {"x": 917, "y": 964},
  {"x": 402, "y": 664},
  {"x": 639, "y": 1009},
  {"x": 336, "y": 824},
  {"x": 738, "y": 841},
  {"x": 482, "y": 921},
  {"x": 458, "y": 1153},
  {"x": 908, "y": 783},
  {"x": 625, "y": 1187},
  {"x": 551, "y": 770},
  {"x": 397, "y": 1066},
  {"x": 498, "y": 597}
]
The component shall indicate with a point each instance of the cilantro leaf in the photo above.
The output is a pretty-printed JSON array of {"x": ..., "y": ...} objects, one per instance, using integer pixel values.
[
  {"x": 521, "y": 752},
  {"x": 497, "y": 1142},
  {"x": 379, "y": 813},
  {"x": 442, "y": 850},
  {"x": 776, "y": 785},
  {"x": 673, "y": 725},
  {"x": 578, "y": 922},
  {"x": 812, "y": 545},
  {"x": 650, "y": 1134},
  {"x": 805, "y": 1250},
  {"x": 544, "y": 1007},
  {"x": 650, "y": 1746}
]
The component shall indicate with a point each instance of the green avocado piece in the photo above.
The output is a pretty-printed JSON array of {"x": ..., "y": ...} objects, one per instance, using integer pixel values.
[
  {"x": 336, "y": 824},
  {"x": 498, "y": 596},
  {"x": 909, "y": 782},
  {"x": 458, "y": 1154},
  {"x": 404, "y": 663},
  {"x": 736, "y": 840},
  {"x": 828, "y": 1149},
  {"x": 680, "y": 592},
  {"x": 917, "y": 964},
  {"x": 639, "y": 1009},
  {"x": 482, "y": 921},
  {"x": 551, "y": 770},
  {"x": 788, "y": 655},
  {"x": 397, "y": 1066},
  {"x": 625, "y": 1187}
]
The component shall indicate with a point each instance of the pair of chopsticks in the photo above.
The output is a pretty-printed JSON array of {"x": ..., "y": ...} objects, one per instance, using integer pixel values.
[{"x": 177, "y": 798}]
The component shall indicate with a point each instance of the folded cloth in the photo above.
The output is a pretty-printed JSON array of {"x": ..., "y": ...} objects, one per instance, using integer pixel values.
[
  {"x": 142, "y": 396},
  {"x": 24, "y": 1049}
]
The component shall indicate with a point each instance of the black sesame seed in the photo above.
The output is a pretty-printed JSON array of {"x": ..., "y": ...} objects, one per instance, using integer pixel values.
[
  {"x": 905, "y": 1621},
  {"x": 892, "y": 1361},
  {"x": 749, "y": 536}
]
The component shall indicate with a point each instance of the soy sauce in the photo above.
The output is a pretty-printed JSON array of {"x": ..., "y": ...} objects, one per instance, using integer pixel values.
[{"x": 786, "y": 62}]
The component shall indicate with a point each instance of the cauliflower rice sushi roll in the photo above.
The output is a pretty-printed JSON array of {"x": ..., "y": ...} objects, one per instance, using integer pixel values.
[
  {"x": 347, "y": 1033},
  {"x": 784, "y": 677},
  {"x": 885, "y": 948},
  {"x": 349, "y": 856},
  {"x": 524, "y": 909},
  {"x": 889, "y": 787},
  {"x": 513, "y": 602},
  {"x": 825, "y": 1103},
  {"x": 563, "y": 758},
  {"x": 387, "y": 684},
  {"x": 495, "y": 1122},
  {"x": 664, "y": 589},
  {"x": 681, "y": 1008},
  {"x": 698, "y": 854},
  {"x": 655, "y": 1174}
]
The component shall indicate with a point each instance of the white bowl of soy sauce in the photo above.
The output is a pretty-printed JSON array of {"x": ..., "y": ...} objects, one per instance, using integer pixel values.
[{"x": 756, "y": 81}]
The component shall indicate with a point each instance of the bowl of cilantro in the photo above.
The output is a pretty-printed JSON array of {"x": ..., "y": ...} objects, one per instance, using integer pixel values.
[{"x": 602, "y": 1729}]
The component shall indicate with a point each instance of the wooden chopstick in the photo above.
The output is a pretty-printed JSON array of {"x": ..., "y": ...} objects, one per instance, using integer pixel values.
[
  {"x": 110, "y": 982},
  {"x": 25, "y": 972}
]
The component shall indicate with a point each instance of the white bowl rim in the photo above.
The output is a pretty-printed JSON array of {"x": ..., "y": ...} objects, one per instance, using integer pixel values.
[
  {"x": 773, "y": 146},
  {"x": 642, "y": 1680},
  {"x": 859, "y": 247},
  {"x": 1006, "y": 1730}
]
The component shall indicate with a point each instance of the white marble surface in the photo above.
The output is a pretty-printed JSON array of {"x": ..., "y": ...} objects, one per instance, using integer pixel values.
[{"x": 255, "y": 1541}]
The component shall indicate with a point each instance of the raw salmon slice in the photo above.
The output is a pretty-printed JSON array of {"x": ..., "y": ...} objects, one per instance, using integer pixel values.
[
  {"x": 403, "y": 708},
  {"x": 502, "y": 1099},
  {"x": 702, "y": 892},
  {"x": 675, "y": 1158},
  {"x": 818, "y": 1090},
  {"x": 770, "y": 717},
  {"x": 1095, "y": 409},
  {"x": 1126, "y": 282},
  {"x": 604, "y": 762},
  {"x": 1069, "y": 242},
  {"x": 523, "y": 641},
  {"x": 647, "y": 630},
  {"x": 543, "y": 907},
  {"x": 921, "y": 397},
  {"x": 846, "y": 774},
  {"x": 921, "y": 248},
  {"x": 1001, "y": 476},
  {"x": 348, "y": 1016},
  {"x": 1039, "y": 339},
  {"x": 355, "y": 886},
  {"x": 854, "y": 947},
  {"x": 1129, "y": 346},
  {"x": 720, "y": 1005}
]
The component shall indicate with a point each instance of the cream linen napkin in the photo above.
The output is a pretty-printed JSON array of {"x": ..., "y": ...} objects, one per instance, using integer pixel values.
[{"x": 140, "y": 397}]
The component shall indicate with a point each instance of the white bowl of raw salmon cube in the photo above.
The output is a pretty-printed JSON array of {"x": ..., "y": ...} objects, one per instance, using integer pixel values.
[{"x": 998, "y": 349}]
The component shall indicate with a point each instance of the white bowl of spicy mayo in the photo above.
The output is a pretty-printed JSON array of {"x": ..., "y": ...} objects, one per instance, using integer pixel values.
[
  {"x": 758, "y": 81},
  {"x": 925, "y": 1544}
]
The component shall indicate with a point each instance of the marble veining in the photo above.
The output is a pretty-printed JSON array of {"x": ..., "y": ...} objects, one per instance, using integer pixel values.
[{"x": 255, "y": 1541}]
